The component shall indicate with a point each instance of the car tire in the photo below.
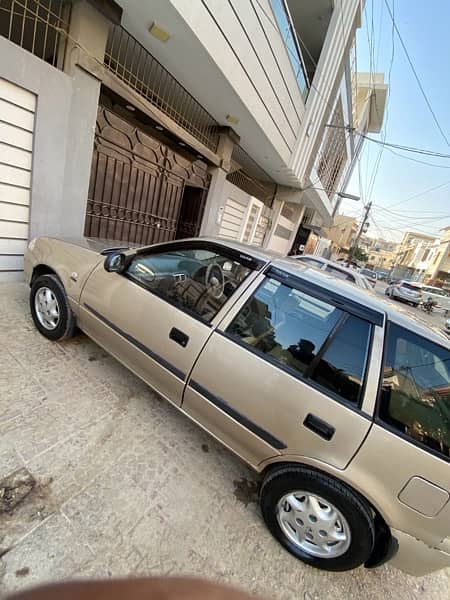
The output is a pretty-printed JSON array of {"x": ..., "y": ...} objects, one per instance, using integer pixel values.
[
  {"x": 352, "y": 518},
  {"x": 55, "y": 323}
]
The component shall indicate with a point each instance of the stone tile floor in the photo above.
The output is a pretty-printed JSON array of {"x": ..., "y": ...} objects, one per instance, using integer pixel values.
[{"x": 126, "y": 485}]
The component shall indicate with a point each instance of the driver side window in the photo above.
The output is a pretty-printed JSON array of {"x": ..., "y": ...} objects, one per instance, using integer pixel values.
[{"x": 198, "y": 281}]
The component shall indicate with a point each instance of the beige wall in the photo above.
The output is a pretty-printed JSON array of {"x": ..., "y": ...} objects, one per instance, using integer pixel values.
[{"x": 342, "y": 232}]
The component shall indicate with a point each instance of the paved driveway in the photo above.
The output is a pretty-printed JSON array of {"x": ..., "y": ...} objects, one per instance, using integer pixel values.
[{"x": 124, "y": 484}]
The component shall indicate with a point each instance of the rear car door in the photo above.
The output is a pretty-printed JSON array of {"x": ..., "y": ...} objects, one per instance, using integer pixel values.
[
  {"x": 285, "y": 372},
  {"x": 157, "y": 316}
]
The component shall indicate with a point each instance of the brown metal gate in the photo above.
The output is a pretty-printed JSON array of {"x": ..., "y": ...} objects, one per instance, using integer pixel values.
[{"x": 137, "y": 185}]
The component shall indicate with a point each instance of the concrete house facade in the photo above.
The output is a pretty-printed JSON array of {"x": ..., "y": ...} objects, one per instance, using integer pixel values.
[{"x": 147, "y": 122}]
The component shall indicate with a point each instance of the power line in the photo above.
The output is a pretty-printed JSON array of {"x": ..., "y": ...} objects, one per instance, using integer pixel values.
[
  {"x": 415, "y": 74},
  {"x": 413, "y": 149},
  {"x": 414, "y": 196},
  {"x": 416, "y": 160}
]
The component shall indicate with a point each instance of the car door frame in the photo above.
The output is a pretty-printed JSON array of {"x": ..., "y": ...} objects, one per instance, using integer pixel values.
[
  {"x": 264, "y": 447},
  {"x": 133, "y": 352}
]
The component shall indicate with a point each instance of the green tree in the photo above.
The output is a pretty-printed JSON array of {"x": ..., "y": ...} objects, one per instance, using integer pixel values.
[{"x": 358, "y": 253}]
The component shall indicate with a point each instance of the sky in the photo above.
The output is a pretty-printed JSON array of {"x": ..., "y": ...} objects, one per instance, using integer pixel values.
[{"x": 400, "y": 188}]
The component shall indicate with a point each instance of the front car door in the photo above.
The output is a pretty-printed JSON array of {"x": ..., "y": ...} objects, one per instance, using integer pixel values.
[
  {"x": 293, "y": 370},
  {"x": 157, "y": 315}
]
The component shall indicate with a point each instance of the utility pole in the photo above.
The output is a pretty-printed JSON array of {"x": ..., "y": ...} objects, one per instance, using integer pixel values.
[{"x": 361, "y": 229}]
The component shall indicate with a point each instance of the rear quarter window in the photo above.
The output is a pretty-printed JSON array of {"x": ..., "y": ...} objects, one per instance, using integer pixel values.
[{"x": 415, "y": 393}]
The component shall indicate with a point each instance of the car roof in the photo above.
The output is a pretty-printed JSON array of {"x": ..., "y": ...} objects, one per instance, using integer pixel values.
[{"x": 364, "y": 297}]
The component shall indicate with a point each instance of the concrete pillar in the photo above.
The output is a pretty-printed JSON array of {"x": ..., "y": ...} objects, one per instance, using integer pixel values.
[
  {"x": 211, "y": 216},
  {"x": 215, "y": 199},
  {"x": 85, "y": 52}
]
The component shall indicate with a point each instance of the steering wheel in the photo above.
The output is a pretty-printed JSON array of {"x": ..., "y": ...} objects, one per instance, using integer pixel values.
[{"x": 214, "y": 280}]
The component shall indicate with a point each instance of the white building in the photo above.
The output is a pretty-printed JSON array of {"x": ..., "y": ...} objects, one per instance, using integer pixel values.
[{"x": 151, "y": 121}]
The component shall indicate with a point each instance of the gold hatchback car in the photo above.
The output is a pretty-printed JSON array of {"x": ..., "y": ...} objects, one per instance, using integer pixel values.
[{"x": 337, "y": 398}]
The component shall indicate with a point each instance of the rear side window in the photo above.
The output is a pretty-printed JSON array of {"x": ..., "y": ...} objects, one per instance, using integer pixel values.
[
  {"x": 305, "y": 336},
  {"x": 415, "y": 397},
  {"x": 286, "y": 325}
]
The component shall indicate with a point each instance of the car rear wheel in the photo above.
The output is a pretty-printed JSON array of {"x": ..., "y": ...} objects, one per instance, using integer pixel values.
[
  {"x": 317, "y": 518},
  {"x": 50, "y": 308}
]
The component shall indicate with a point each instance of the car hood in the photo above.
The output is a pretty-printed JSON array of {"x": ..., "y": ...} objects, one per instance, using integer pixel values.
[{"x": 97, "y": 244}]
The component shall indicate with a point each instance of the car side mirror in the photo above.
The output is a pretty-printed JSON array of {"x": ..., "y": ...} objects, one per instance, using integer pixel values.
[{"x": 115, "y": 262}]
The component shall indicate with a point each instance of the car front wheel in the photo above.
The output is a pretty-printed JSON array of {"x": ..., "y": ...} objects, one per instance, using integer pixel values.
[
  {"x": 50, "y": 308},
  {"x": 317, "y": 518}
]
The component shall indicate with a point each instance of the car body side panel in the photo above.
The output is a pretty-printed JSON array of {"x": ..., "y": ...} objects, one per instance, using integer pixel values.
[
  {"x": 417, "y": 558},
  {"x": 135, "y": 325},
  {"x": 384, "y": 465},
  {"x": 271, "y": 400}
]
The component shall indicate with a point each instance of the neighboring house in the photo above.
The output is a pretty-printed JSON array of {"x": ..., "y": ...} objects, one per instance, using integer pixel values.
[
  {"x": 342, "y": 234},
  {"x": 382, "y": 254},
  {"x": 414, "y": 255},
  {"x": 439, "y": 266},
  {"x": 152, "y": 121}
]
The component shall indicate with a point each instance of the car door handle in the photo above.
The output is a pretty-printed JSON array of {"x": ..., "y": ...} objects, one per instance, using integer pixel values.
[
  {"x": 322, "y": 428},
  {"x": 179, "y": 337}
]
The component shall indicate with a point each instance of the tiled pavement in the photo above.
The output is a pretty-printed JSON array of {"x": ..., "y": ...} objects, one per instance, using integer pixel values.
[{"x": 126, "y": 485}]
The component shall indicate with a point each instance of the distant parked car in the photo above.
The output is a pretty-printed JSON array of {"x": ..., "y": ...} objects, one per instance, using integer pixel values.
[
  {"x": 336, "y": 269},
  {"x": 405, "y": 290},
  {"x": 370, "y": 275}
]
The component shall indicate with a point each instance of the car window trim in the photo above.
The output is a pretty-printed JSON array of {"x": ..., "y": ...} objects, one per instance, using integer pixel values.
[
  {"x": 377, "y": 417},
  {"x": 336, "y": 300},
  {"x": 252, "y": 262}
]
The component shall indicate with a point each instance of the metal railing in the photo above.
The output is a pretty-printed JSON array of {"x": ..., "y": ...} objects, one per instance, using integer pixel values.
[
  {"x": 133, "y": 64},
  {"x": 332, "y": 155},
  {"x": 38, "y": 26}
]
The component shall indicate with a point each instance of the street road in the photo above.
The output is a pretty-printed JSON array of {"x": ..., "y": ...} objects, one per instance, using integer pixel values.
[{"x": 436, "y": 319}]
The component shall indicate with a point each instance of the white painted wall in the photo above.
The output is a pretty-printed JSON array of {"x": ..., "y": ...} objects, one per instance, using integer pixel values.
[
  {"x": 17, "y": 110},
  {"x": 244, "y": 42},
  {"x": 230, "y": 56},
  {"x": 242, "y": 217}
]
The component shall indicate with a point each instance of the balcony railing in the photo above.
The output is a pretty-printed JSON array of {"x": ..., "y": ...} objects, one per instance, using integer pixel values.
[
  {"x": 134, "y": 65},
  {"x": 287, "y": 31},
  {"x": 38, "y": 26},
  {"x": 332, "y": 155}
]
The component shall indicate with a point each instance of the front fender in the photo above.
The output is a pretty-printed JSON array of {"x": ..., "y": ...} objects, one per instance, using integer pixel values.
[{"x": 71, "y": 263}]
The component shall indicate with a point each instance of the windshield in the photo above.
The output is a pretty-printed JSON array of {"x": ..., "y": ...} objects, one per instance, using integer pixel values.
[{"x": 411, "y": 286}]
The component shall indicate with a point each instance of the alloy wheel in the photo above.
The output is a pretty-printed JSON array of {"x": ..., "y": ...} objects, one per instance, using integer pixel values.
[
  {"x": 47, "y": 308},
  {"x": 313, "y": 524}
]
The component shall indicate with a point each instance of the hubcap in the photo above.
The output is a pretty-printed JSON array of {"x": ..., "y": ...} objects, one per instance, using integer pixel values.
[
  {"x": 47, "y": 308},
  {"x": 313, "y": 524}
]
